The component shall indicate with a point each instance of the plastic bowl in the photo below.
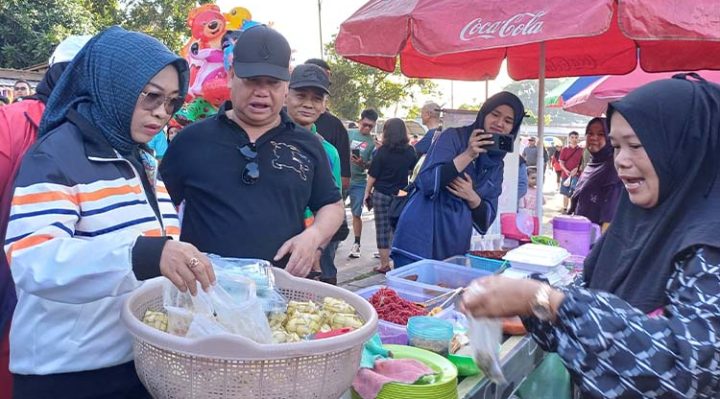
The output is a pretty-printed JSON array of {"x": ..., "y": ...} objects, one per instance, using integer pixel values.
[{"x": 430, "y": 333}]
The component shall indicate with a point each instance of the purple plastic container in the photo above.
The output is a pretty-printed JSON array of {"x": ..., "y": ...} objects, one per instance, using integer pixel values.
[{"x": 575, "y": 233}]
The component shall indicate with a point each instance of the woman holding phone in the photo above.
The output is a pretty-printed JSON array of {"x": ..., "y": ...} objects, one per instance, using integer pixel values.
[{"x": 458, "y": 186}]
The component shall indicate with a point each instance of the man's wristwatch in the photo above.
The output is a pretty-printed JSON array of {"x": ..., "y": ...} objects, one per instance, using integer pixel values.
[{"x": 541, "y": 303}]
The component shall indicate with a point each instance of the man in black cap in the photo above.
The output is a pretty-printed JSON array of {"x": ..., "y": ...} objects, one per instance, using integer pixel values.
[
  {"x": 305, "y": 102},
  {"x": 333, "y": 130},
  {"x": 247, "y": 174}
]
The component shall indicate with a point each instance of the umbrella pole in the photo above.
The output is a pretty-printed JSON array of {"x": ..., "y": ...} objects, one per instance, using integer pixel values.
[{"x": 541, "y": 134}]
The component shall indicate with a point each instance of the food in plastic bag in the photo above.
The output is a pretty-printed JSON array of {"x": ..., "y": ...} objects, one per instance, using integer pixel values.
[
  {"x": 157, "y": 320},
  {"x": 277, "y": 320},
  {"x": 273, "y": 302},
  {"x": 485, "y": 338},
  {"x": 179, "y": 320},
  {"x": 204, "y": 325},
  {"x": 246, "y": 319}
]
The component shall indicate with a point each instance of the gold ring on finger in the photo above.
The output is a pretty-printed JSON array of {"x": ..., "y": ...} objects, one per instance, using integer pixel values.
[{"x": 194, "y": 262}]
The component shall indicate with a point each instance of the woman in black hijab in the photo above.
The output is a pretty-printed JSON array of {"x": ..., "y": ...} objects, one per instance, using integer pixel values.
[
  {"x": 598, "y": 190},
  {"x": 649, "y": 324}
]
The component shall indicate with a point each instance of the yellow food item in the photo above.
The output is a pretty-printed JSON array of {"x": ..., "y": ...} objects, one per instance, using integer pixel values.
[
  {"x": 277, "y": 320},
  {"x": 341, "y": 320},
  {"x": 157, "y": 320},
  {"x": 302, "y": 307},
  {"x": 303, "y": 324},
  {"x": 334, "y": 305}
]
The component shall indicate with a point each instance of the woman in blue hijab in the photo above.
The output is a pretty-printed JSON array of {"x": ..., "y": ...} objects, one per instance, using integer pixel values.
[
  {"x": 90, "y": 220},
  {"x": 458, "y": 186}
]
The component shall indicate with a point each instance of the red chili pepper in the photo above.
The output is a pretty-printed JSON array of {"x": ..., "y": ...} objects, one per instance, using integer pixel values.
[{"x": 391, "y": 307}]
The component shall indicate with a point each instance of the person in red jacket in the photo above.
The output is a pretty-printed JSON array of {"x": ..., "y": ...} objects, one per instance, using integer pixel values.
[{"x": 18, "y": 130}]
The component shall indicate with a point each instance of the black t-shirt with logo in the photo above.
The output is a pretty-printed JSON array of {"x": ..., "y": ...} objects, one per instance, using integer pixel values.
[{"x": 223, "y": 215}]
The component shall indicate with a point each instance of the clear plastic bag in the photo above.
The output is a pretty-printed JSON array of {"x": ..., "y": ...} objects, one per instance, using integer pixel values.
[
  {"x": 216, "y": 311},
  {"x": 485, "y": 338},
  {"x": 232, "y": 275},
  {"x": 258, "y": 270},
  {"x": 246, "y": 318}
]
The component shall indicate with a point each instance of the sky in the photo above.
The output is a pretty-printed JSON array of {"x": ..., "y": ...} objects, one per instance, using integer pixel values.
[{"x": 297, "y": 20}]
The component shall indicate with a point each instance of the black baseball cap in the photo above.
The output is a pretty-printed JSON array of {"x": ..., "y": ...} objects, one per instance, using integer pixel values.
[
  {"x": 309, "y": 75},
  {"x": 261, "y": 51}
]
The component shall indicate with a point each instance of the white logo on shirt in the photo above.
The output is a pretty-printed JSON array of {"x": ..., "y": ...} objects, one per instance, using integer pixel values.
[{"x": 289, "y": 157}]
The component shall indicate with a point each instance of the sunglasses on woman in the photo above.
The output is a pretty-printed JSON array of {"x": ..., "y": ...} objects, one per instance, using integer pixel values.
[{"x": 150, "y": 101}]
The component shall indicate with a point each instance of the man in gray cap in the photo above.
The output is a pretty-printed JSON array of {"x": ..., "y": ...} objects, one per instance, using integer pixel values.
[{"x": 247, "y": 174}]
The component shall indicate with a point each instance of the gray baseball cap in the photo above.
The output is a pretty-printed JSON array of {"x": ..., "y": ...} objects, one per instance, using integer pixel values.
[
  {"x": 309, "y": 75},
  {"x": 261, "y": 51}
]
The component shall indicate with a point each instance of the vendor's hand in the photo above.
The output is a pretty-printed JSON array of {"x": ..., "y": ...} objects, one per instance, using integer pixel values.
[
  {"x": 183, "y": 264},
  {"x": 345, "y": 183},
  {"x": 478, "y": 140},
  {"x": 302, "y": 248},
  {"x": 357, "y": 160},
  {"x": 462, "y": 187},
  {"x": 499, "y": 296}
]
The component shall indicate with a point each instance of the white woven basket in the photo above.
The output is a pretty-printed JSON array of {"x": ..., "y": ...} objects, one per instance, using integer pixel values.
[{"x": 230, "y": 366}]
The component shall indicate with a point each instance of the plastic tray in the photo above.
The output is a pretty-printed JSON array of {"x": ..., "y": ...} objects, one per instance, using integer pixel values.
[
  {"x": 392, "y": 333},
  {"x": 476, "y": 262},
  {"x": 536, "y": 258},
  {"x": 433, "y": 275}
]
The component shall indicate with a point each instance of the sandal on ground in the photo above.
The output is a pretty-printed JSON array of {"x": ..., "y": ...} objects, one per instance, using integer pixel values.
[{"x": 382, "y": 270}]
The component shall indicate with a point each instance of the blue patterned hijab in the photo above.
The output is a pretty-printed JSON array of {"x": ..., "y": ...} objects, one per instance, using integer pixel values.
[{"x": 104, "y": 81}]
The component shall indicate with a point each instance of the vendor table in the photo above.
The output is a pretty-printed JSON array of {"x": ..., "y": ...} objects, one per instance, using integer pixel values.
[{"x": 519, "y": 357}]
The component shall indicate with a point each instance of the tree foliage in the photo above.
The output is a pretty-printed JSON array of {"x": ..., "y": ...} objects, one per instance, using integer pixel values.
[
  {"x": 30, "y": 29},
  {"x": 356, "y": 86}
]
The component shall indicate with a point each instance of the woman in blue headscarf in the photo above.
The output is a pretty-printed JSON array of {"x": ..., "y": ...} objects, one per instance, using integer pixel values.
[
  {"x": 90, "y": 220},
  {"x": 458, "y": 186}
]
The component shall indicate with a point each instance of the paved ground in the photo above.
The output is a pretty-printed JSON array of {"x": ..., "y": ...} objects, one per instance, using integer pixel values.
[{"x": 358, "y": 273}]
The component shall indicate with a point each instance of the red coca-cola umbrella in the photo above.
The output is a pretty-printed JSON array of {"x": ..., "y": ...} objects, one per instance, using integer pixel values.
[
  {"x": 469, "y": 39},
  {"x": 593, "y": 100}
]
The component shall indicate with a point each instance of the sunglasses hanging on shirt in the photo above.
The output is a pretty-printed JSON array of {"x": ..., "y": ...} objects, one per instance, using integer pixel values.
[{"x": 251, "y": 173}]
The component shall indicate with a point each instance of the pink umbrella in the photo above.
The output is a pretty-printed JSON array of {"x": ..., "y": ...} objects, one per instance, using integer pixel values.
[
  {"x": 469, "y": 39},
  {"x": 593, "y": 100}
]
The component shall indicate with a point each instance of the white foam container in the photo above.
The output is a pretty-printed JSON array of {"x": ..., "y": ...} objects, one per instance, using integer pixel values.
[{"x": 536, "y": 258}]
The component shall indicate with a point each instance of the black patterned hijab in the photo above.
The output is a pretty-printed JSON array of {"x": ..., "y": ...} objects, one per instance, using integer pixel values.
[{"x": 678, "y": 123}]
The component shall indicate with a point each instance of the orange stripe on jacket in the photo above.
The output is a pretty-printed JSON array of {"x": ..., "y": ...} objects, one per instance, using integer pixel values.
[
  {"x": 109, "y": 192},
  {"x": 169, "y": 230},
  {"x": 50, "y": 196},
  {"x": 28, "y": 242}
]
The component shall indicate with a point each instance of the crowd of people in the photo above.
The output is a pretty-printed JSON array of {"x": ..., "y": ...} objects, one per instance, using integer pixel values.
[{"x": 89, "y": 211}]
